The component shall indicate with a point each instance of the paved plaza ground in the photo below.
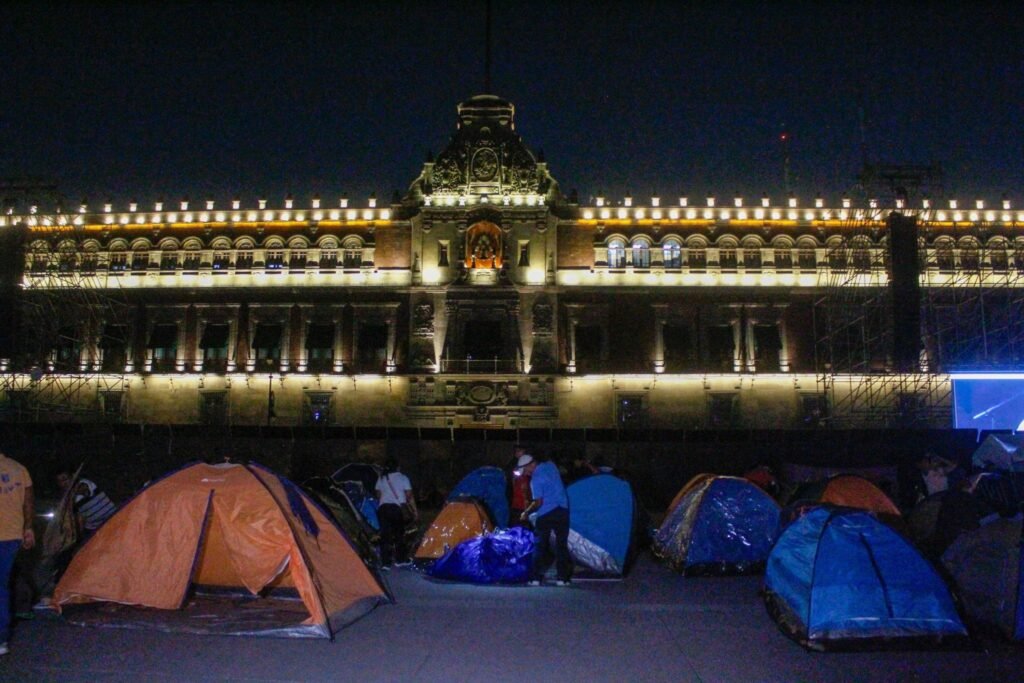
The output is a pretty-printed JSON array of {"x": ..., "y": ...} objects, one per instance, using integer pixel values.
[{"x": 653, "y": 626}]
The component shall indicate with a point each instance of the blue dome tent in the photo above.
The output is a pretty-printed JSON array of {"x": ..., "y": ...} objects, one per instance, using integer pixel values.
[
  {"x": 722, "y": 525},
  {"x": 488, "y": 485},
  {"x": 602, "y": 518},
  {"x": 838, "y": 577}
]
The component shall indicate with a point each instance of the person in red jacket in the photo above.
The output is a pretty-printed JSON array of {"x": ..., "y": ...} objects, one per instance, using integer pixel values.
[{"x": 520, "y": 484}]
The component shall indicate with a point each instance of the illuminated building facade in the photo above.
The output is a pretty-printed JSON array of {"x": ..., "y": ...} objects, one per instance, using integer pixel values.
[{"x": 486, "y": 297}]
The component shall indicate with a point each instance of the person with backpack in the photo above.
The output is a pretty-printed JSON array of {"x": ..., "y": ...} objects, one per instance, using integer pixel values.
[{"x": 396, "y": 507}]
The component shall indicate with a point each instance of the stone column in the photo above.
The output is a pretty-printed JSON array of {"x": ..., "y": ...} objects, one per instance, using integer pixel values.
[{"x": 660, "y": 318}]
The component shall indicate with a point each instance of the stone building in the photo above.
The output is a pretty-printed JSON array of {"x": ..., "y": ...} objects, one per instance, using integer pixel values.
[{"x": 487, "y": 297}]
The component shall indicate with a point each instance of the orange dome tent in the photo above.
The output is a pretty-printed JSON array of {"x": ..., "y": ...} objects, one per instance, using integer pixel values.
[
  {"x": 233, "y": 528},
  {"x": 459, "y": 520}
]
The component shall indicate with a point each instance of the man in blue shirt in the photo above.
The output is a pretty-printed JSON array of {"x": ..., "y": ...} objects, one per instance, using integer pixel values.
[{"x": 550, "y": 508}]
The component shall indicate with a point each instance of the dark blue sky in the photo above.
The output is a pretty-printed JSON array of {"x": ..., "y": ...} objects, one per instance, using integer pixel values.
[{"x": 121, "y": 101}]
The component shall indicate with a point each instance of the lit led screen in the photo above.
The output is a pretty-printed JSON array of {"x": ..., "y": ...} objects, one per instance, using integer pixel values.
[{"x": 988, "y": 401}]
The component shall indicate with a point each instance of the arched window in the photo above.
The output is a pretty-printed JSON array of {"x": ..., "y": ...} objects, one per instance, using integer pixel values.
[
  {"x": 617, "y": 254},
  {"x": 672, "y": 254},
  {"x": 641, "y": 254},
  {"x": 352, "y": 253}
]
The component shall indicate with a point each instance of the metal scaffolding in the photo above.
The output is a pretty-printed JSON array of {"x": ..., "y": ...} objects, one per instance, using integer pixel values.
[
  {"x": 65, "y": 303},
  {"x": 972, "y": 319}
]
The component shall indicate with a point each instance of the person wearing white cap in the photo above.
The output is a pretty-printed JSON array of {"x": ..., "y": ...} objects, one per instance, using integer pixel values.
[
  {"x": 520, "y": 484},
  {"x": 549, "y": 500}
]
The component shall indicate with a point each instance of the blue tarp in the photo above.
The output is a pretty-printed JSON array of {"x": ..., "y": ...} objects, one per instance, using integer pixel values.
[
  {"x": 503, "y": 556},
  {"x": 725, "y": 525},
  {"x": 602, "y": 512},
  {"x": 364, "y": 502},
  {"x": 838, "y": 574},
  {"x": 486, "y": 484}
]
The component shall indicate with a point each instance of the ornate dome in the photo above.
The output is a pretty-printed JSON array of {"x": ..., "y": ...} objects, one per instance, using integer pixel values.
[{"x": 485, "y": 157}]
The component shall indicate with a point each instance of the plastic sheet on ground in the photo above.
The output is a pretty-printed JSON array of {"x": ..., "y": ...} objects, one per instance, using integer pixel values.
[{"x": 503, "y": 556}]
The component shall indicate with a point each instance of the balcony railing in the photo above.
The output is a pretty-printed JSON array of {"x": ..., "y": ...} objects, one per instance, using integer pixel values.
[{"x": 470, "y": 366}]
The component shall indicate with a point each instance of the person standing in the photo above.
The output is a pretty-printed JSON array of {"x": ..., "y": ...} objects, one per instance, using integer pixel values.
[
  {"x": 16, "y": 515},
  {"x": 91, "y": 506},
  {"x": 520, "y": 484},
  {"x": 394, "y": 492},
  {"x": 549, "y": 511}
]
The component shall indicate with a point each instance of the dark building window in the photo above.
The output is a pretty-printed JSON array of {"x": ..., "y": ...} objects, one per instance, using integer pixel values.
[
  {"x": 768, "y": 347},
  {"x": 721, "y": 347},
  {"x": 163, "y": 344},
  {"x": 266, "y": 344},
  {"x": 969, "y": 259},
  {"x": 631, "y": 411},
  {"x": 221, "y": 260},
  {"x": 113, "y": 344},
  {"x": 752, "y": 259},
  {"x": 727, "y": 259},
  {"x": 352, "y": 258},
  {"x": 318, "y": 408},
  {"x": 862, "y": 259},
  {"x": 677, "y": 339},
  {"x": 328, "y": 259},
  {"x": 67, "y": 350},
  {"x": 783, "y": 260},
  {"x": 697, "y": 259},
  {"x": 944, "y": 258},
  {"x": 588, "y": 348},
  {"x": 814, "y": 410},
  {"x": 998, "y": 260},
  {"x": 372, "y": 349},
  {"x": 320, "y": 347},
  {"x": 721, "y": 410},
  {"x": 214, "y": 344},
  {"x": 297, "y": 260},
  {"x": 66, "y": 263},
  {"x": 168, "y": 262},
  {"x": 111, "y": 403},
  {"x": 524, "y": 254},
  {"x": 191, "y": 262},
  {"x": 837, "y": 258},
  {"x": 808, "y": 259},
  {"x": 140, "y": 262},
  {"x": 442, "y": 254},
  {"x": 213, "y": 407},
  {"x": 243, "y": 260},
  {"x": 1018, "y": 258},
  {"x": 39, "y": 264},
  {"x": 275, "y": 260}
]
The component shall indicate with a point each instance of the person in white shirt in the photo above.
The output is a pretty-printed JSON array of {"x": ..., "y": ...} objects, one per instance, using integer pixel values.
[{"x": 396, "y": 505}]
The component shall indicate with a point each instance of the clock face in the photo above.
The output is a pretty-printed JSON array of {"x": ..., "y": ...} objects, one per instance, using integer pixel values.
[{"x": 485, "y": 165}]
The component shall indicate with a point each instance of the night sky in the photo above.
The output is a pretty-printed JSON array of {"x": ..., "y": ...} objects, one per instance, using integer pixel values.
[{"x": 262, "y": 99}]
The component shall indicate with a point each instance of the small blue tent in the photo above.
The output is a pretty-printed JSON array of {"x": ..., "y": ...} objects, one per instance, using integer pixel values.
[
  {"x": 722, "y": 525},
  {"x": 839, "y": 577},
  {"x": 488, "y": 485},
  {"x": 502, "y": 556},
  {"x": 602, "y": 515}
]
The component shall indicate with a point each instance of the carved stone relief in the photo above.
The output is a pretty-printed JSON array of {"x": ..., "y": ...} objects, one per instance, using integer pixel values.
[
  {"x": 542, "y": 319},
  {"x": 423, "y": 320}
]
